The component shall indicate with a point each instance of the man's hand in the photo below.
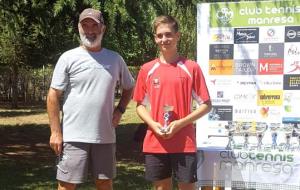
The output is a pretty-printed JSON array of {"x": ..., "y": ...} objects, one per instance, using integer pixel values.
[
  {"x": 56, "y": 142},
  {"x": 53, "y": 109}
]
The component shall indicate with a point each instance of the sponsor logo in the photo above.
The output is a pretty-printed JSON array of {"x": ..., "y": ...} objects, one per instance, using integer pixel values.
[
  {"x": 271, "y": 83},
  {"x": 244, "y": 97},
  {"x": 270, "y": 66},
  {"x": 156, "y": 83},
  {"x": 267, "y": 82},
  {"x": 220, "y": 98},
  {"x": 220, "y": 51},
  {"x": 274, "y": 82},
  {"x": 220, "y": 113},
  {"x": 220, "y": 94},
  {"x": 246, "y": 51},
  {"x": 291, "y": 120},
  {"x": 274, "y": 163},
  {"x": 291, "y": 82},
  {"x": 244, "y": 111},
  {"x": 274, "y": 50},
  {"x": 247, "y": 83},
  {"x": 245, "y": 67},
  {"x": 246, "y": 35},
  {"x": 220, "y": 82},
  {"x": 220, "y": 101},
  {"x": 269, "y": 97},
  {"x": 270, "y": 113},
  {"x": 271, "y": 34},
  {"x": 220, "y": 67},
  {"x": 294, "y": 67},
  {"x": 292, "y": 34},
  {"x": 261, "y": 156},
  {"x": 221, "y": 36},
  {"x": 293, "y": 50},
  {"x": 291, "y": 103},
  {"x": 224, "y": 15},
  {"x": 264, "y": 111},
  {"x": 287, "y": 101}
]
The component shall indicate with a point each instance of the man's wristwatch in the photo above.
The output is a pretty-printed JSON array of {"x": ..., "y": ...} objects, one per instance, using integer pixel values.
[{"x": 120, "y": 109}]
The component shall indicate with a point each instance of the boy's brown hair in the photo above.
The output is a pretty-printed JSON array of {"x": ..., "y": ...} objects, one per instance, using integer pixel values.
[{"x": 165, "y": 19}]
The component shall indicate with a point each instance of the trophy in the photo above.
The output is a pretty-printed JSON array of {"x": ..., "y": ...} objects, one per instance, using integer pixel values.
[
  {"x": 297, "y": 129},
  {"x": 245, "y": 127},
  {"x": 261, "y": 127},
  {"x": 230, "y": 127},
  {"x": 167, "y": 116},
  {"x": 274, "y": 127},
  {"x": 288, "y": 130}
]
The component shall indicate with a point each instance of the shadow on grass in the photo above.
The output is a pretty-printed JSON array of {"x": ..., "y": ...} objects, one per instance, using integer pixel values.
[
  {"x": 20, "y": 113},
  {"x": 27, "y": 162},
  {"x": 127, "y": 148}
]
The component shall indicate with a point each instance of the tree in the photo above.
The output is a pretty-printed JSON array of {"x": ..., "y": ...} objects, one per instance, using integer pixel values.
[
  {"x": 30, "y": 37},
  {"x": 34, "y": 33}
]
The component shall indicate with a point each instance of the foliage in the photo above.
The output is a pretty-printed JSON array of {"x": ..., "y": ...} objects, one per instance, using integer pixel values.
[{"x": 34, "y": 33}]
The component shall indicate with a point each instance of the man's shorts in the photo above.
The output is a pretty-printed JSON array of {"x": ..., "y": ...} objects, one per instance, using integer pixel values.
[
  {"x": 77, "y": 158},
  {"x": 161, "y": 166}
]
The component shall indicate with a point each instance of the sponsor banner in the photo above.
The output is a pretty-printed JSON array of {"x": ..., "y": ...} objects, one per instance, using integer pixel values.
[
  {"x": 246, "y": 35},
  {"x": 291, "y": 82},
  {"x": 249, "y": 53},
  {"x": 271, "y": 34},
  {"x": 268, "y": 13},
  {"x": 292, "y": 34}
]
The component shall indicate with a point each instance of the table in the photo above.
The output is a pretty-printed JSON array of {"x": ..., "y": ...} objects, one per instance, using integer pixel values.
[{"x": 245, "y": 169}]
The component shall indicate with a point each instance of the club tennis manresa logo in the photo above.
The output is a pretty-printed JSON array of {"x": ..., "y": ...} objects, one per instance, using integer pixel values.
[{"x": 224, "y": 15}]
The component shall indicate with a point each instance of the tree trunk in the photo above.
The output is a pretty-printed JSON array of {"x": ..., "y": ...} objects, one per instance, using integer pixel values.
[{"x": 14, "y": 86}]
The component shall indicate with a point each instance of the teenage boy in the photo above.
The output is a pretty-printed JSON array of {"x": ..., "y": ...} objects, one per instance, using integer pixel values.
[{"x": 169, "y": 84}]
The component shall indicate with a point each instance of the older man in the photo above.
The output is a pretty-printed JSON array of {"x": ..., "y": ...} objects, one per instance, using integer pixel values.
[{"x": 87, "y": 77}]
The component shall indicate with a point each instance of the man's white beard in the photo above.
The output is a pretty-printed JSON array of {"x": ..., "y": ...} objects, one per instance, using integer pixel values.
[{"x": 91, "y": 42}]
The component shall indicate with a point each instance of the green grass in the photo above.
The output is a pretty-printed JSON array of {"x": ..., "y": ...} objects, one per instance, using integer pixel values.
[{"x": 27, "y": 162}]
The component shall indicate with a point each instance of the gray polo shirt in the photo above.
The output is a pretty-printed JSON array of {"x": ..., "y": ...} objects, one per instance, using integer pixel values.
[{"x": 88, "y": 80}]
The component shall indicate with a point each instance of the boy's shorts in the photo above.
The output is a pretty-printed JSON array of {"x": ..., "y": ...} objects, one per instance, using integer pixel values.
[
  {"x": 76, "y": 158},
  {"x": 161, "y": 166}
]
